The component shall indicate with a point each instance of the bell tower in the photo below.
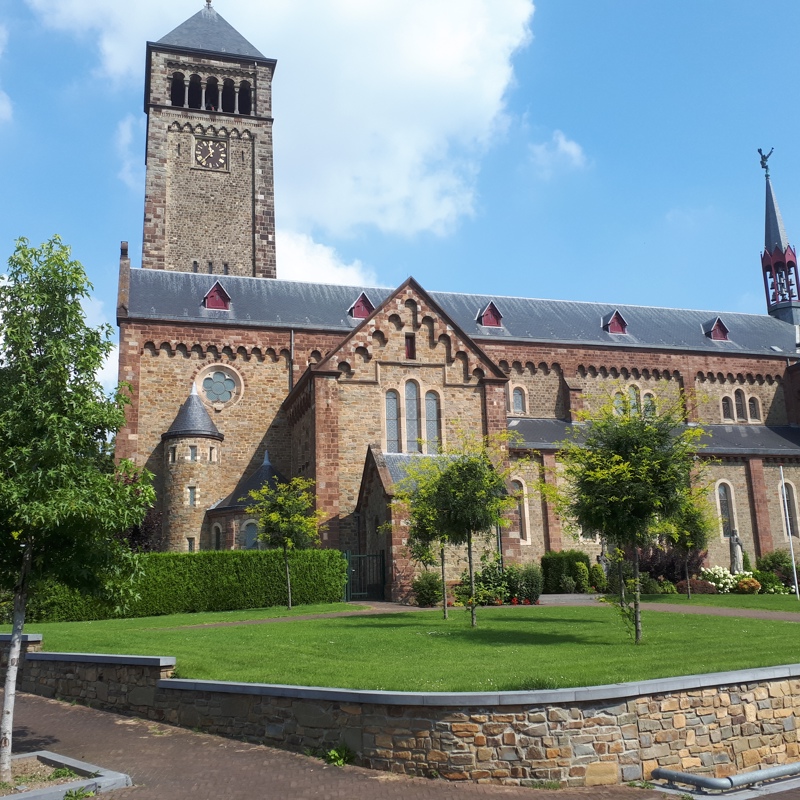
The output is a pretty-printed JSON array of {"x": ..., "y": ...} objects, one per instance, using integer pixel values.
[
  {"x": 209, "y": 198},
  {"x": 779, "y": 260}
]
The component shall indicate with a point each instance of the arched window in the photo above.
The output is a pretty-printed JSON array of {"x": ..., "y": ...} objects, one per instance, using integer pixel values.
[
  {"x": 433, "y": 422},
  {"x": 228, "y": 96},
  {"x": 519, "y": 493},
  {"x": 754, "y": 408},
  {"x": 649, "y": 404},
  {"x": 217, "y": 537},
  {"x": 392, "y": 422},
  {"x": 412, "y": 418},
  {"x": 195, "y": 92},
  {"x": 725, "y": 500},
  {"x": 177, "y": 90},
  {"x": 619, "y": 404},
  {"x": 518, "y": 401},
  {"x": 251, "y": 536},
  {"x": 741, "y": 411},
  {"x": 212, "y": 94},
  {"x": 727, "y": 408},
  {"x": 245, "y": 104},
  {"x": 634, "y": 399},
  {"x": 791, "y": 508}
]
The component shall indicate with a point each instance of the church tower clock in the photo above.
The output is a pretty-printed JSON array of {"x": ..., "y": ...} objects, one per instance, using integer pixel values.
[{"x": 209, "y": 198}]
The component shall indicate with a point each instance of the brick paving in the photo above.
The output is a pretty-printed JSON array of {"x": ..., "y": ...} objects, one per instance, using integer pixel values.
[{"x": 169, "y": 763}]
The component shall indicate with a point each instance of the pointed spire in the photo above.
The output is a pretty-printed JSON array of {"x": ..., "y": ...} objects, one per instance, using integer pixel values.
[
  {"x": 774, "y": 232},
  {"x": 193, "y": 420}
]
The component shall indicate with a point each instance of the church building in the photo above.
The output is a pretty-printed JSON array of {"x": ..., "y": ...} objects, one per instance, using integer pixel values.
[{"x": 238, "y": 377}]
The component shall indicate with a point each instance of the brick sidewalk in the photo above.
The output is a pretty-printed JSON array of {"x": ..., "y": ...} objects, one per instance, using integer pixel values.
[{"x": 169, "y": 763}]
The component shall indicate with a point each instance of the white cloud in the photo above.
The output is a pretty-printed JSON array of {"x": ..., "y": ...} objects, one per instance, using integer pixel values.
[
  {"x": 382, "y": 110},
  {"x": 557, "y": 155},
  {"x": 95, "y": 314},
  {"x": 131, "y": 171},
  {"x": 300, "y": 258},
  {"x": 6, "y": 111}
]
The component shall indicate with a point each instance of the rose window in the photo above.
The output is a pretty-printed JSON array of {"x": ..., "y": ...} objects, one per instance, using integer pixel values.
[{"x": 219, "y": 387}]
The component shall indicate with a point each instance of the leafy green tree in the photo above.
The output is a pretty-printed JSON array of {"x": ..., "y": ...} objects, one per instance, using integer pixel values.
[
  {"x": 627, "y": 471},
  {"x": 287, "y": 519},
  {"x": 62, "y": 500}
]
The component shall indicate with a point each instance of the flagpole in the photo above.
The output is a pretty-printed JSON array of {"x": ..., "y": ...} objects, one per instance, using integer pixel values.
[{"x": 789, "y": 530}]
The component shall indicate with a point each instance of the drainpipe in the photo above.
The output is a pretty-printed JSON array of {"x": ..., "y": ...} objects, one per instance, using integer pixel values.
[{"x": 291, "y": 359}]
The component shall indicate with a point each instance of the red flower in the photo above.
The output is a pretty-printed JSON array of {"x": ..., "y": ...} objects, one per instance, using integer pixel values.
[
  {"x": 514, "y": 601},
  {"x": 526, "y": 602}
]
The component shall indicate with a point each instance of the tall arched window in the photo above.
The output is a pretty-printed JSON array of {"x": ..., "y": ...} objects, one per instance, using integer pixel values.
[
  {"x": 228, "y": 96},
  {"x": 741, "y": 411},
  {"x": 634, "y": 399},
  {"x": 754, "y": 408},
  {"x": 412, "y": 418},
  {"x": 245, "y": 103},
  {"x": 195, "y": 92},
  {"x": 790, "y": 508},
  {"x": 649, "y": 404},
  {"x": 392, "y": 422},
  {"x": 619, "y": 404},
  {"x": 725, "y": 500},
  {"x": 217, "y": 537},
  {"x": 518, "y": 401},
  {"x": 251, "y": 536},
  {"x": 212, "y": 94},
  {"x": 433, "y": 422},
  {"x": 177, "y": 90},
  {"x": 727, "y": 408},
  {"x": 519, "y": 493}
]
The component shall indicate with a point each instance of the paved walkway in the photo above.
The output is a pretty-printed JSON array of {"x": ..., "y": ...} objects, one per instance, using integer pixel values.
[{"x": 169, "y": 763}]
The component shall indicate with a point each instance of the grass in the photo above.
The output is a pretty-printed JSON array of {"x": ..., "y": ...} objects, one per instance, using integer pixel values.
[
  {"x": 525, "y": 647},
  {"x": 762, "y": 602}
]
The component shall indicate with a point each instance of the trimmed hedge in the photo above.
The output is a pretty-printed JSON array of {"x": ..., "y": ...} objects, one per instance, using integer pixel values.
[
  {"x": 561, "y": 564},
  {"x": 175, "y": 583}
]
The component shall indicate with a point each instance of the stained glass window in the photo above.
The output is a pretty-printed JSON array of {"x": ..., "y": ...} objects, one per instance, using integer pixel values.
[
  {"x": 740, "y": 409},
  {"x": 516, "y": 487},
  {"x": 219, "y": 387},
  {"x": 433, "y": 422},
  {"x": 392, "y": 422},
  {"x": 518, "y": 401},
  {"x": 791, "y": 506},
  {"x": 633, "y": 399},
  {"x": 649, "y": 406},
  {"x": 412, "y": 418},
  {"x": 727, "y": 408},
  {"x": 250, "y": 536},
  {"x": 725, "y": 508},
  {"x": 755, "y": 411}
]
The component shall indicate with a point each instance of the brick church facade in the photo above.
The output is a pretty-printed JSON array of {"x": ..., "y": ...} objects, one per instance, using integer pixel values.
[{"x": 238, "y": 376}]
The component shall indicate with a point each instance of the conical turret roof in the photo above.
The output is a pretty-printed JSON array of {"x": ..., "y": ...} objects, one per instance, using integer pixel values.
[
  {"x": 193, "y": 420},
  {"x": 239, "y": 498},
  {"x": 774, "y": 232},
  {"x": 208, "y": 31}
]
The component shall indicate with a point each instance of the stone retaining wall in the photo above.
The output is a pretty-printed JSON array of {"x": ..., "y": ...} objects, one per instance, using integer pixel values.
[{"x": 716, "y": 724}]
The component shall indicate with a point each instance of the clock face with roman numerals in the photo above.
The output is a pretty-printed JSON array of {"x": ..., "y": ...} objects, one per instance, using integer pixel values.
[{"x": 211, "y": 153}]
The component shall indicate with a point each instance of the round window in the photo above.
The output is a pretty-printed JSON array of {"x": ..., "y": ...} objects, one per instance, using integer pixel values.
[{"x": 219, "y": 386}]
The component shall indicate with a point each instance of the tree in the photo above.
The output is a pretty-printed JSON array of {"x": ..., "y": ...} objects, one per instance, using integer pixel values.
[
  {"x": 62, "y": 500},
  {"x": 287, "y": 518},
  {"x": 627, "y": 470}
]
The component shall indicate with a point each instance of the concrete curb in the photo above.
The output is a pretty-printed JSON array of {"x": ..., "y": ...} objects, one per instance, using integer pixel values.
[{"x": 96, "y": 778}]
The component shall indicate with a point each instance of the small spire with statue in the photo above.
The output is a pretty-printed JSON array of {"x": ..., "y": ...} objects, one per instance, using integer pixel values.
[{"x": 764, "y": 158}]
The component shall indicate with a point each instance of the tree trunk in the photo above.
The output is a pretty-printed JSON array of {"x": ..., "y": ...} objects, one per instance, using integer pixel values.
[
  {"x": 688, "y": 584},
  {"x": 444, "y": 585},
  {"x": 473, "y": 619},
  {"x": 288, "y": 575},
  {"x": 637, "y": 611},
  {"x": 621, "y": 573},
  {"x": 15, "y": 647}
]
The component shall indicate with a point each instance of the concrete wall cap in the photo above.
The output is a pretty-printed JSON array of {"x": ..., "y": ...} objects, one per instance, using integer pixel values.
[
  {"x": 94, "y": 658},
  {"x": 26, "y": 637}
]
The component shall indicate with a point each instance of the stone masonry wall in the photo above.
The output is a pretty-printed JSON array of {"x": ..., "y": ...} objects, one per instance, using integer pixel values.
[{"x": 708, "y": 724}]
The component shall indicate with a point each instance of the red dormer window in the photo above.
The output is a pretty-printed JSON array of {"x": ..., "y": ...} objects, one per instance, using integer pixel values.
[
  {"x": 716, "y": 330},
  {"x": 217, "y": 298},
  {"x": 490, "y": 317},
  {"x": 362, "y": 307},
  {"x": 615, "y": 323}
]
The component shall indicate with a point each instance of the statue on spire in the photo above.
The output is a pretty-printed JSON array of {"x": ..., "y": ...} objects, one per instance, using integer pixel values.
[{"x": 764, "y": 159}]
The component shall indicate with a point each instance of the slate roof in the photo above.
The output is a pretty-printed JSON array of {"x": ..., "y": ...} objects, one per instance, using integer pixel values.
[
  {"x": 208, "y": 31},
  {"x": 166, "y": 295},
  {"x": 774, "y": 232},
  {"x": 397, "y": 463},
  {"x": 193, "y": 420},
  {"x": 239, "y": 497},
  {"x": 719, "y": 440}
]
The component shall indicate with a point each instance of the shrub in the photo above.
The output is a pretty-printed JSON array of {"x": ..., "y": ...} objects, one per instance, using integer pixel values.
[
  {"x": 613, "y": 575},
  {"x": 746, "y": 565},
  {"x": 581, "y": 577},
  {"x": 556, "y": 565},
  {"x": 748, "y": 586},
  {"x": 649, "y": 585},
  {"x": 427, "y": 588},
  {"x": 770, "y": 583},
  {"x": 524, "y": 583},
  {"x": 567, "y": 584},
  {"x": 697, "y": 586},
  {"x": 597, "y": 578},
  {"x": 667, "y": 587},
  {"x": 778, "y": 562},
  {"x": 210, "y": 580},
  {"x": 667, "y": 562},
  {"x": 721, "y": 578}
]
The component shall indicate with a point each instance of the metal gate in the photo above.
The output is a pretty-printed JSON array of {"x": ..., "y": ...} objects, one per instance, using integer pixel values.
[{"x": 365, "y": 576}]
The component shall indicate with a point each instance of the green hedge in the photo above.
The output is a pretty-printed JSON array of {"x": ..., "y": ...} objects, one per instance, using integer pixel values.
[
  {"x": 557, "y": 565},
  {"x": 210, "y": 580}
]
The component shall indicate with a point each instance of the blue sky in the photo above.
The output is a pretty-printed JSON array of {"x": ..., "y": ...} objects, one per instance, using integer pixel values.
[{"x": 585, "y": 149}]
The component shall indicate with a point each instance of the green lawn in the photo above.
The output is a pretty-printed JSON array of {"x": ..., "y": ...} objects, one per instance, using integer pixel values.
[
  {"x": 512, "y": 648},
  {"x": 762, "y": 602}
]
